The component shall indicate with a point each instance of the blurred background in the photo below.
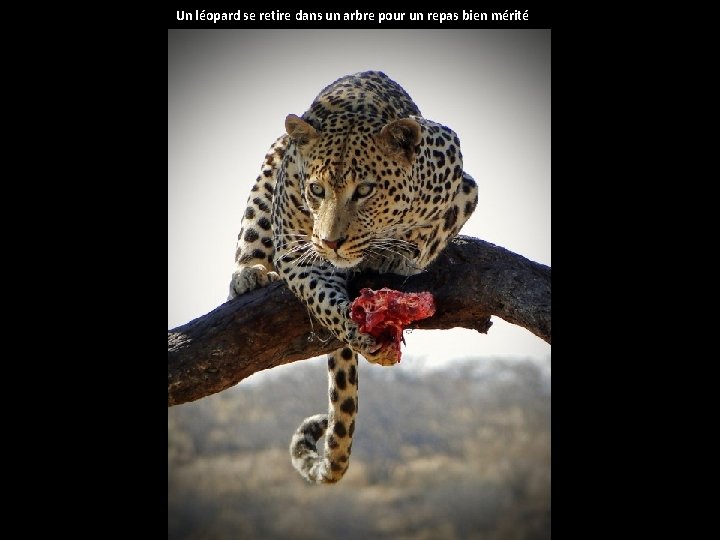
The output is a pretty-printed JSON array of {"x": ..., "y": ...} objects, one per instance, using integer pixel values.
[
  {"x": 453, "y": 442},
  {"x": 457, "y": 453}
]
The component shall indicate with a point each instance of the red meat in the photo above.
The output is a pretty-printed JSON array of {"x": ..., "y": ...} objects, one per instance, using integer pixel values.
[{"x": 385, "y": 312}]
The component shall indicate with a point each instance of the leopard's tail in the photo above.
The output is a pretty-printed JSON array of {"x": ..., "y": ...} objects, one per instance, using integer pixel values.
[{"x": 330, "y": 466}]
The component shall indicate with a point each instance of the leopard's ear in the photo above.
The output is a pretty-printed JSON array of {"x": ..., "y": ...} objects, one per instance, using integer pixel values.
[
  {"x": 299, "y": 130},
  {"x": 399, "y": 139}
]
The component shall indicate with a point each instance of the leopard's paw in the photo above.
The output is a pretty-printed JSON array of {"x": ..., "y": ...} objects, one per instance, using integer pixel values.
[
  {"x": 249, "y": 278},
  {"x": 369, "y": 348}
]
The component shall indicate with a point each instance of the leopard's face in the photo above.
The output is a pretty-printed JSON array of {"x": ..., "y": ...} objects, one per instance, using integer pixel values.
[
  {"x": 356, "y": 181},
  {"x": 355, "y": 214}
]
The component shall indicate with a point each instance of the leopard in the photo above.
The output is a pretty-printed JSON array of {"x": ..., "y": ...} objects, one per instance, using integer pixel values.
[{"x": 359, "y": 182}]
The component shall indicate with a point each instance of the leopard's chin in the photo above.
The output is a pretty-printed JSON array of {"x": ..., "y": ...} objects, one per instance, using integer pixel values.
[{"x": 338, "y": 261}]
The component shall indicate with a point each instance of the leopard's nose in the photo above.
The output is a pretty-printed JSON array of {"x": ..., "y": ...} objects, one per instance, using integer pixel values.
[{"x": 334, "y": 244}]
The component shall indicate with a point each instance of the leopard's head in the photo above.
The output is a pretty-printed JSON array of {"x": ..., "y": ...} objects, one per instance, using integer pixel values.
[{"x": 356, "y": 181}]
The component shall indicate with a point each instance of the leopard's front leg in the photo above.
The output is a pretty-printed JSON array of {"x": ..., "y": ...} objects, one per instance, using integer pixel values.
[
  {"x": 323, "y": 289},
  {"x": 254, "y": 251}
]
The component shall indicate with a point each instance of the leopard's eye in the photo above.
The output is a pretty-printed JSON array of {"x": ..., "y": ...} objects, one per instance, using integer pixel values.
[
  {"x": 363, "y": 190},
  {"x": 317, "y": 190}
]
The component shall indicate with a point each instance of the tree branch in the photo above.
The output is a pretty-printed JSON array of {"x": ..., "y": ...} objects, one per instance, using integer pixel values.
[{"x": 471, "y": 280}]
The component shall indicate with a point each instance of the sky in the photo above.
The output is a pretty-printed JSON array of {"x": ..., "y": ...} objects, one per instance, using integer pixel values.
[{"x": 229, "y": 92}]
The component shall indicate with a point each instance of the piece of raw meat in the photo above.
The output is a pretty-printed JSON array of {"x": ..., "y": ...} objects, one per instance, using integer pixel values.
[{"x": 384, "y": 313}]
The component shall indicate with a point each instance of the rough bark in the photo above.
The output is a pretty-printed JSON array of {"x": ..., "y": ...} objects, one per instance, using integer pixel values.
[{"x": 471, "y": 281}]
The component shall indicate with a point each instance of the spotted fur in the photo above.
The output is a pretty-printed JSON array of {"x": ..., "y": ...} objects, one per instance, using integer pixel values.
[{"x": 360, "y": 181}]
